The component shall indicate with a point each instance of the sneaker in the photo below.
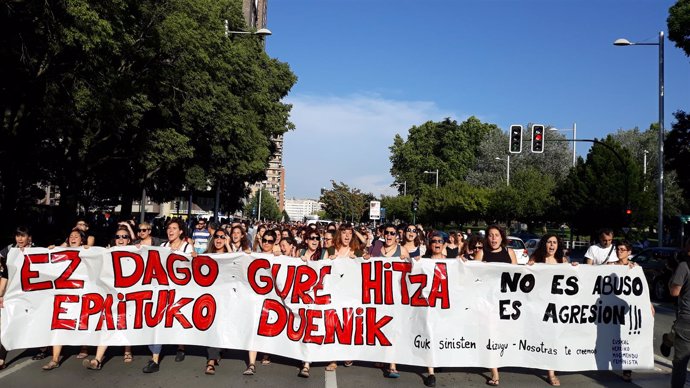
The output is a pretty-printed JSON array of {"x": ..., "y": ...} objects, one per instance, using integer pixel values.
[
  {"x": 151, "y": 367},
  {"x": 430, "y": 381}
]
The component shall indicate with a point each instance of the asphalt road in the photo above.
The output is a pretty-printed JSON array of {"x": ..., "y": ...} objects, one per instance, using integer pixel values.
[{"x": 24, "y": 372}]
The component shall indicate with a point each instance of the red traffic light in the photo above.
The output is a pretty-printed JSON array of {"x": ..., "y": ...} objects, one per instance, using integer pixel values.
[
  {"x": 537, "y": 137},
  {"x": 628, "y": 211}
]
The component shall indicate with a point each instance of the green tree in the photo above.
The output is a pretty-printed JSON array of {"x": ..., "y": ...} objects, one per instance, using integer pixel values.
[
  {"x": 599, "y": 190},
  {"x": 447, "y": 146},
  {"x": 677, "y": 152},
  {"x": 679, "y": 25},
  {"x": 346, "y": 204},
  {"x": 269, "y": 207},
  {"x": 120, "y": 96},
  {"x": 529, "y": 198}
]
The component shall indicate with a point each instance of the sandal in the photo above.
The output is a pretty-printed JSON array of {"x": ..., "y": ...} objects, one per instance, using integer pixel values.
[
  {"x": 127, "y": 358},
  {"x": 266, "y": 360},
  {"x": 51, "y": 365},
  {"x": 554, "y": 381},
  {"x": 40, "y": 355},
  {"x": 492, "y": 382},
  {"x": 83, "y": 353},
  {"x": 88, "y": 364},
  {"x": 331, "y": 367},
  {"x": 348, "y": 364},
  {"x": 304, "y": 372},
  {"x": 211, "y": 368},
  {"x": 251, "y": 370}
]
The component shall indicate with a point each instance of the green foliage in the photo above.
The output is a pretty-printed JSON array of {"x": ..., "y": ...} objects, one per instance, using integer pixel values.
[
  {"x": 677, "y": 153},
  {"x": 346, "y": 204},
  {"x": 269, "y": 207},
  {"x": 597, "y": 193},
  {"x": 447, "y": 146},
  {"x": 117, "y": 96},
  {"x": 679, "y": 25},
  {"x": 529, "y": 198}
]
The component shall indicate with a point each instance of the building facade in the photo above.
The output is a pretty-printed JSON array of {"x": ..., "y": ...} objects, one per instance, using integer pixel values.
[{"x": 297, "y": 209}]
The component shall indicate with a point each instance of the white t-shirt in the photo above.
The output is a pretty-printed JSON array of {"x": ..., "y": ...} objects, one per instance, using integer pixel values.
[{"x": 598, "y": 254}]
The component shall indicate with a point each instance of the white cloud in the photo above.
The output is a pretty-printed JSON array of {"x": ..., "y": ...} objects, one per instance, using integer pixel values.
[{"x": 346, "y": 139}]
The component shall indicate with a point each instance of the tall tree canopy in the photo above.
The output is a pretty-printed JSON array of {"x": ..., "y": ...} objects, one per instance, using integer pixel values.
[{"x": 108, "y": 98}]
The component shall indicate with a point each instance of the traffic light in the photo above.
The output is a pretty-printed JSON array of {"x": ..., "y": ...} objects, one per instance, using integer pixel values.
[
  {"x": 415, "y": 205},
  {"x": 628, "y": 211},
  {"x": 515, "y": 146},
  {"x": 537, "y": 138}
]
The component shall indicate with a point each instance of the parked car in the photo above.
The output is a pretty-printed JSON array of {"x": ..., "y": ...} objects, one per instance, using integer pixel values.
[
  {"x": 658, "y": 265},
  {"x": 531, "y": 246},
  {"x": 518, "y": 246}
]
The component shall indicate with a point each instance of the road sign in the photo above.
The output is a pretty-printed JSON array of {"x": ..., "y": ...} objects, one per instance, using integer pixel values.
[
  {"x": 375, "y": 210},
  {"x": 684, "y": 219}
]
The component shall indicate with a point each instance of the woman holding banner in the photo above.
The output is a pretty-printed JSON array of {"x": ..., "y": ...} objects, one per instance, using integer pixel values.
[
  {"x": 220, "y": 243},
  {"x": 177, "y": 242},
  {"x": 550, "y": 251},
  {"x": 76, "y": 239},
  {"x": 122, "y": 238},
  {"x": 495, "y": 251}
]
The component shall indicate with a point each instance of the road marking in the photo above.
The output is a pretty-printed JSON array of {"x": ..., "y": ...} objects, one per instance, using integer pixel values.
[
  {"x": 331, "y": 381},
  {"x": 15, "y": 367}
]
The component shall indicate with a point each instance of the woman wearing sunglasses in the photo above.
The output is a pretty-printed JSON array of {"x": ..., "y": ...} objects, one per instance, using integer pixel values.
[
  {"x": 268, "y": 242},
  {"x": 412, "y": 241},
  {"x": 121, "y": 238},
  {"x": 220, "y": 243},
  {"x": 472, "y": 248},
  {"x": 436, "y": 245},
  {"x": 144, "y": 236},
  {"x": 76, "y": 239}
]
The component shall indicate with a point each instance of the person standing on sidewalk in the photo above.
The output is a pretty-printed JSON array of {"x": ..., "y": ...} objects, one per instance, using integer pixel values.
[
  {"x": 680, "y": 287},
  {"x": 603, "y": 252}
]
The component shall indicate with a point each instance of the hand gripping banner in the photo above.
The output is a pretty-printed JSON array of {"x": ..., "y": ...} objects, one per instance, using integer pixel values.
[{"x": 442, "y": 313}]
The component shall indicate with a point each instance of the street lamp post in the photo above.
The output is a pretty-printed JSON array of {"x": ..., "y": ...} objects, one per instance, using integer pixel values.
[
  {"x": 644, "y": 170},
  {"x": 660, "y": 183},
  {"x": 433, "y": 172},
  {"x": 507, "y": 159},
  {"x": 574, "y": 129},
  {"x": 261, "y": 189},
  {"x": 260, "y": 32}
]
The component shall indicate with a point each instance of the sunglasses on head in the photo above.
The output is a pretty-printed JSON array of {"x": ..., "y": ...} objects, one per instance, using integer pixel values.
[
  {"x": 122, "y": 236},
  {"x": 267, "y": 241}
]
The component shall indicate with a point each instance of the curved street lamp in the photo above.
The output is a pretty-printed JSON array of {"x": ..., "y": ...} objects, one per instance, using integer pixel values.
[{"x": 660, "y": 183}]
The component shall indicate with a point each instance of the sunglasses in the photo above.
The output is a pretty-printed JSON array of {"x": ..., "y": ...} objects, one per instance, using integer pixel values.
[
  {"x": 478, "y": 247},
  {"x": 314, "y": 238},
  {"x": 436, "y": 241},
  {"x": 267, "y": 241},
  {"x": 411, "y": 230},
  {"x": 220, "y": 236},
  {"x": 390, "y": 233},
  {"x": 145, "y": 229},
  {"x": 622, "y": 250},
  {"x": 122, "y": 237},
  {"x": 327, "y": 239}
]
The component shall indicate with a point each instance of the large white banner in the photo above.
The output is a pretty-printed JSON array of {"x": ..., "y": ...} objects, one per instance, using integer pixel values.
[{"x": 428, "y": 312}]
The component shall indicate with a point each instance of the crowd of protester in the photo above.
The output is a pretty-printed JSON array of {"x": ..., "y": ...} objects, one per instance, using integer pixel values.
[{"x": 308, "y": 242}]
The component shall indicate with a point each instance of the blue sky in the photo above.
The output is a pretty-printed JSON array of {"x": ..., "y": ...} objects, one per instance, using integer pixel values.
[{"x": 369, "y": 69}]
